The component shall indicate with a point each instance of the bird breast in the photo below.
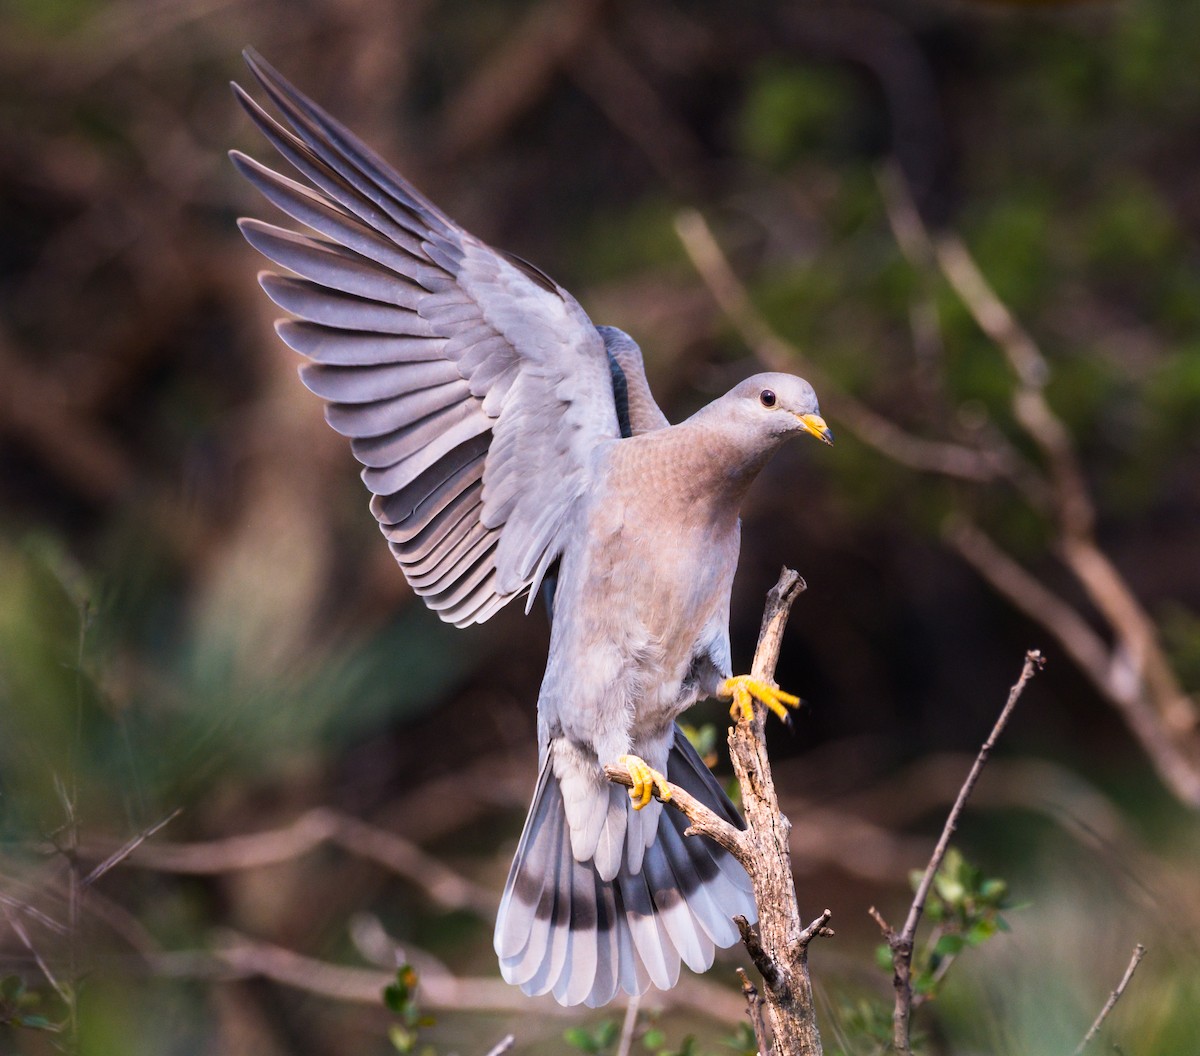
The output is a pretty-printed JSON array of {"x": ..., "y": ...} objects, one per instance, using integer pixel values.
[{"x": 649, "y": 582}]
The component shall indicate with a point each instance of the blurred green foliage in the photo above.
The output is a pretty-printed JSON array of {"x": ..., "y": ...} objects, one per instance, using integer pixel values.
[
  {"x": 143, "y": 670},
  {"x": 400, "y": 997}
]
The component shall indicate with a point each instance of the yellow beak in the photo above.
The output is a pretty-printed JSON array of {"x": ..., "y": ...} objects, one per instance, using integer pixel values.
[{"x": 815, "y": 424}]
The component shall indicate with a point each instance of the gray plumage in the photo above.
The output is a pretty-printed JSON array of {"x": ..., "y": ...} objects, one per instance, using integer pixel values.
[{"x": 508, "y": 441}]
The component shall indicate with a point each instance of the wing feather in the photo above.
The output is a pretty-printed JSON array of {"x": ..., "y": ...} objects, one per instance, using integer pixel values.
[
  {"x": 319, "y": 304},
  {"x": 323, "y": 344},
  {"x": 438, "y": 381},
  {"x": 474, "y": 390}
]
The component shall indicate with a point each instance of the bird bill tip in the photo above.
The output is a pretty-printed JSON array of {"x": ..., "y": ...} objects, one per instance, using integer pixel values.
[{"x": 815, "y": 424}]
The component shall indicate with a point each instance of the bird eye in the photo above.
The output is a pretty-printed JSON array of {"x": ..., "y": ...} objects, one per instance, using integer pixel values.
[{"x": 767, "y": 397}]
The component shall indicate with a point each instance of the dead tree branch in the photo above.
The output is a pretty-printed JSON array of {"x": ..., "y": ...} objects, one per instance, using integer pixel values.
[
  {"x": 441, "y": 884},
  {"x": 517, "y": 75},
  {"x": 902, "y": 943},
  {"x": 754, "y": 1009},
  {"x": 1139, "y": 951},
  {"x": 779, "y": 948}
]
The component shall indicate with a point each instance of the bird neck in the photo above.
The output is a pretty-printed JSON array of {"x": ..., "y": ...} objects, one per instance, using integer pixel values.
[{"x": 715, "y": 463}]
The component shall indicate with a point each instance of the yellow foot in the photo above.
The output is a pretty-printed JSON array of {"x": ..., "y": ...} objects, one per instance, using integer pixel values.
[
  {"x": 745, "y": 690},
  {"x": 645, "y": 780}
]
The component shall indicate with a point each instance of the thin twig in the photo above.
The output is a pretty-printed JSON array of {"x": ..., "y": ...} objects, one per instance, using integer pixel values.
[
  {"x": 1034, "y": 662},
  {"x": 766, "y": 966},
  {"x": 442, "y": 884},
  {"x": 902, "y": 944},
  {"x": 629, "y": 1026},
  {"x": 127, "y": 849},
  {"x": 1139, "y": 951},
  {"x": 818, "y": 928},
  {"x": 16, "y": 925},
  {"x": 502, "y": 1046},
  {"x": 754, "y": 1009}
]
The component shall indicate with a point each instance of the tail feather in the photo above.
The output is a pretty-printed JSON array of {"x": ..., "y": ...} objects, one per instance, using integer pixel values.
[
  {"x": 667, "y": 887},
  {"x": 540, "y": 896},
  {"x": 609, "y": 958},
  {"x": 567, "y": 929},
  {"x": 712, "y": 923},
  {"x": 654, "y": 948},
  {"x": 555, "y": 948}
]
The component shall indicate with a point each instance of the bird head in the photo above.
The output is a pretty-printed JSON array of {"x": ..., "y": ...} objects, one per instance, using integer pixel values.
[{"x": 779, "y": 406}]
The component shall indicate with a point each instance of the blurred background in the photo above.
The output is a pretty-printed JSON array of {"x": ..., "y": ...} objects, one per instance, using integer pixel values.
[{"x": 972, "y": 225}]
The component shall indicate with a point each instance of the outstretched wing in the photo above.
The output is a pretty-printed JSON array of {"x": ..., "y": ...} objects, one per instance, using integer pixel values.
[{"x": 474, "y": 389}]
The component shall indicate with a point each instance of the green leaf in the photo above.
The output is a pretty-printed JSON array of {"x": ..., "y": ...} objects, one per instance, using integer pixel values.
[
  {"x": 654, "y": 1038},
  {"x": 993, "y": 891},
  {"x": 35, "y": 1022},
  {"x": 394, "y": 998},
  {"x": 578, "y": 1038},
  {"x": 980, "y": 931},
  {"x": 950, "y": 888},
  {"x": 949, "y": 945},
  {"x": 606, "y": 1033},
  {"x": 743, "y": 1040},
  {"x": 402, "y": 1038}
]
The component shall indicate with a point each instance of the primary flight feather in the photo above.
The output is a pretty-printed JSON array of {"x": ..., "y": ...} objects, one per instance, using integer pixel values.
[{"x": 509, "y": 443}]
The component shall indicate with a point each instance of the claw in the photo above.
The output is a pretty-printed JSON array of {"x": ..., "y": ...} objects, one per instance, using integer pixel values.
[
  {"x": 645, "y": 780},
  {"x": 745, "y": 690}
]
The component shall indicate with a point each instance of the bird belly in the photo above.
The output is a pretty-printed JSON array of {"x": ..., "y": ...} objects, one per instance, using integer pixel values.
[{"x": 640, "y": 604}]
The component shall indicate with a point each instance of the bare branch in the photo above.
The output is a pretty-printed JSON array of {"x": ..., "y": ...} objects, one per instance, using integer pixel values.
[
  {"x": 1104, "y": 584},
  {"x": 778, "y": 949},
  {"x": 766, "y": 966},
  {"x": 704, "y": 821},
  {"x": 503, "y": 1045},
  {"x": 402, "y": 857},
  {"x": 635, "y": 108},
  {"x": 127, "y": 849},
  {"x": 1139, "y": 951},
  {"x": 901, "y": 944},
  {"x": 1029, "y": 594},
  {"x": 818, "y": 927},
  {"x": 19, "y": 929},
  {"x": 516, "y": 75},
  {"x": 1112, "y": 679},
  {"x": 754, "y": 1009},
  {"x": 240, "y": 957},
  {"x": 628, "y": 1026}
]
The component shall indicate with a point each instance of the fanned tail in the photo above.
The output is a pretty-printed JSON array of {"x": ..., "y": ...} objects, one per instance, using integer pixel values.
[{"x": 563, "y": 930}]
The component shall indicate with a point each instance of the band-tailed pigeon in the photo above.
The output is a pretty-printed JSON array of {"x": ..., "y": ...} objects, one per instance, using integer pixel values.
[{"x": 509, "y": 445}]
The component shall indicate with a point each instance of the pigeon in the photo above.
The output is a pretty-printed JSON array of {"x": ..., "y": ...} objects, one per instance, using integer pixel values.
[{"x": 513, "y": 448}]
